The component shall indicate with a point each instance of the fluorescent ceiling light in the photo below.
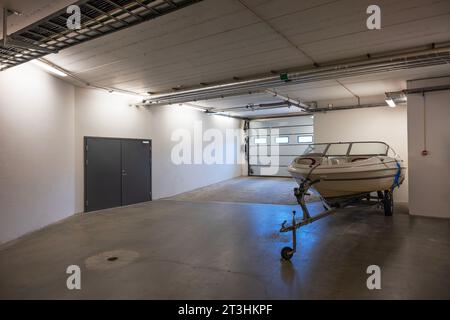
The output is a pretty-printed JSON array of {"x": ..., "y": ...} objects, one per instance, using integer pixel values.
[
  {"x": 390, "y": 102},
  {"x": 128, "y": 94},
  {"x": 49, "y": 68},
  {"x": 193, "y": 107},
  {"x": 221, "y": 113}
]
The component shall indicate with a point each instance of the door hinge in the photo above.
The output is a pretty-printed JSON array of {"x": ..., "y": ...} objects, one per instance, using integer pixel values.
[
  {"x": 87, "y": 203},
  {"x": 87, "y": 162},
  {"x": 87, "y": 148}
]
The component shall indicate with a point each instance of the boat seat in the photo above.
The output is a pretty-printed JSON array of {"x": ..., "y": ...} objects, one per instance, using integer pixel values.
[
  {"x": 311, "y": 161},
  {"x": 337, "y": 160}
]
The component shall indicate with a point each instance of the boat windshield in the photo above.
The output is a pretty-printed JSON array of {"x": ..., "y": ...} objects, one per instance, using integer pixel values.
[
  {"x": 317, "y": 149},
  {"x": 367, "y": 148}
]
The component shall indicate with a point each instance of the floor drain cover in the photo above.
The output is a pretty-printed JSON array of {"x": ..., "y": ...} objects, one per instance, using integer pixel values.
[{"x": 102, "y": 261}]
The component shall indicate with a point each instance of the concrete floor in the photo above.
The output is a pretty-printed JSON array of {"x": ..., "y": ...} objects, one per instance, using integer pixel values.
[
  {"x": 248, "y": 190},
  {"x": 213, "y": 250}
]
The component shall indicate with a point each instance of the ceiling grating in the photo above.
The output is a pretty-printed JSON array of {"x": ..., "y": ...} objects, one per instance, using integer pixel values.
[{"x": 98, "y": 18}]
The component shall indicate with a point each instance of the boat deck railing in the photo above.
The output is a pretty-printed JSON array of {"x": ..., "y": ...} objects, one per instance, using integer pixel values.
[{"x": 325, "y": 150}]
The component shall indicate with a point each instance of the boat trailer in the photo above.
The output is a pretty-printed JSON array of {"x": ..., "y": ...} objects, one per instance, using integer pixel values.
[{"x": 384, "y": 200}]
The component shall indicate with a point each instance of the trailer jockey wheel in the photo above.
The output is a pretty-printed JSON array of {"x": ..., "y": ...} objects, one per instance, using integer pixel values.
[
  {"x": 287, "y": 253},
  {"x": 388, "y": 203}
]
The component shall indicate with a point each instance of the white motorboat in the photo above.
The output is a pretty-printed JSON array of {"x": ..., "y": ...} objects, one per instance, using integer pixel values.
[
  {"x": 348, "y": 168},
  {"x": 343, "y": 173}
]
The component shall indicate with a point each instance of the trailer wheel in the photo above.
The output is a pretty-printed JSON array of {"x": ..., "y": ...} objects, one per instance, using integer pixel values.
[
  {"x": 287, "y": 253},
  {"x": 388, "y": 203}
]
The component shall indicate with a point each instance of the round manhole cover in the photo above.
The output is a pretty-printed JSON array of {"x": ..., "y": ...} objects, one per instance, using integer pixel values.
[{"x": 111, "y": 259}]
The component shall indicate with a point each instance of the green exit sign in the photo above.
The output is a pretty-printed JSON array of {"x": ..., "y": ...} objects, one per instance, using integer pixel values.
[{"x": 284, "y": 77}]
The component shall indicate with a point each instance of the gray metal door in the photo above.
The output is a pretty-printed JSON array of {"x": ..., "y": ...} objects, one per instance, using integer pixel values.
[
  {"x": 103, "y": 183},
  {"x": 117, "y": 172},
  {"x": 136, "y": 179}
]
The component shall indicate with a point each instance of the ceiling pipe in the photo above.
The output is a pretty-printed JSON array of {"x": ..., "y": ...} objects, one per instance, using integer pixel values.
[
  {"x": 383, "y": 63},
  {"x": 296, "y": 103},
  {"x": 419, "y": 90},
  {"x": 282, "y": 115},
  {"x": 212, "y": 112},
  {"x": 311, "y": 111},
  {"x": 5, "y": 26},
  {"x": 256, "y": 106},
  {"x": 358, "y": 106}
]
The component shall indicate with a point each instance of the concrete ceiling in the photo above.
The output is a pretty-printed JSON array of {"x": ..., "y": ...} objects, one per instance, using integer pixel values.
[{"x": 216, "y": 40}]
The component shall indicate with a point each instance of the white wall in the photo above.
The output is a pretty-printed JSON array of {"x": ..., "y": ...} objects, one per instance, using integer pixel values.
[
  {"x": 381, "y": 123},
  {"x": 429, "y": 176},
  {"x": 37, "y": 184},
  {"x": 170, "y": 179},
  {"x": 42, "y": 124},
  {"x": 102, "y": 114}
]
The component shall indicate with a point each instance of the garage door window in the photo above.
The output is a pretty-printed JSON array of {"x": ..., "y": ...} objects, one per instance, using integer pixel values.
[
  {"x": 260, "y": 140},
  {"x": 305, "y": 139},
  {"x": 282, "y": 140}
]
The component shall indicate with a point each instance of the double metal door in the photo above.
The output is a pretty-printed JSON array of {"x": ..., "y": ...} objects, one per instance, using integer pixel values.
[{"x": 117, "y": 172}]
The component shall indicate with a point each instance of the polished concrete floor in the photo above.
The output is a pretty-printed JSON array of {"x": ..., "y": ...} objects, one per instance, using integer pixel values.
[
  {"x": 247, "y": 190},
  {"x": 216, "y": 250}
]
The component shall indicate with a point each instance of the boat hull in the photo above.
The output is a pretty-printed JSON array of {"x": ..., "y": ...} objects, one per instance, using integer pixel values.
[{"x": 351, "y": 179}]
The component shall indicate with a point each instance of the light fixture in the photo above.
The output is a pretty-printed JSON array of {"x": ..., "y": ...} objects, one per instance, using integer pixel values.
[
  {"x": 390, "y": 102},
  {"x": 395, "y": 98},
  {"x": 127, "y": 94},
  {"x": 193, "y": 107},
  {"x": 49, "y": 68},
  {"x": 219, "y": 113}
]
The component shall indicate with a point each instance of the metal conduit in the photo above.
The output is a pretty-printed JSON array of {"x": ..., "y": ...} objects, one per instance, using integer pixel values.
[
  {"x": 408, "y": 60},
  {"x": 260, "y": 84}
]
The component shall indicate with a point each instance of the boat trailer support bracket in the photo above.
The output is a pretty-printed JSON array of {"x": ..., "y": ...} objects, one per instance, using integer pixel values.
[{"x": 300, "y": 193}]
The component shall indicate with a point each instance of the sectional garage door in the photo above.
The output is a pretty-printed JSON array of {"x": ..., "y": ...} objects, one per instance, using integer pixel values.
[{"x": 274, "y": 143}]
